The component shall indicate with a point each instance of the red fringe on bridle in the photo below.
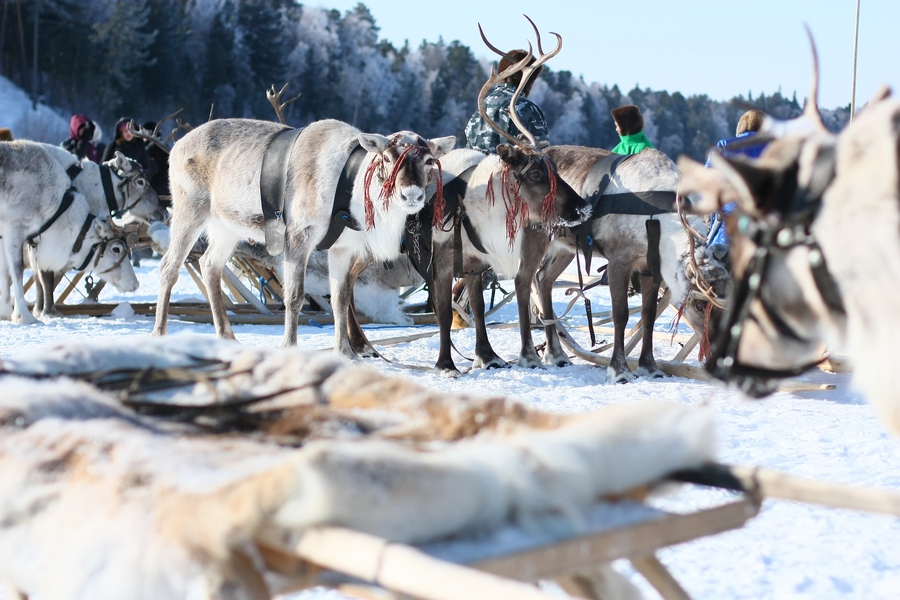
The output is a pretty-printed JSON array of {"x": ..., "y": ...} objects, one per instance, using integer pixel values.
[
  {"x": 438, "y": 218},
  {"x": 703, "y": 351},
  {"x": 387, "y": 188},
  {"x": 548, "y": 204},
  {"x": 516, "y": 208}
]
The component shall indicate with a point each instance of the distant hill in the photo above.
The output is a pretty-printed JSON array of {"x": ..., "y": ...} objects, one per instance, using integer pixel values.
[{"x": 43, "y": 125}]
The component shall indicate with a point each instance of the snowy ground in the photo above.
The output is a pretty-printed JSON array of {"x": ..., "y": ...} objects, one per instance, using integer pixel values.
[{"x": 789, "y": 550}]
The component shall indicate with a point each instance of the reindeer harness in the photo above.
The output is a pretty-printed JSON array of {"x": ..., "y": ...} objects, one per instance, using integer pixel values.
[
  {"x": 272, "y": 182},
  {"x": 799, "y": 207},
  {"x": 649, "y": 203}
]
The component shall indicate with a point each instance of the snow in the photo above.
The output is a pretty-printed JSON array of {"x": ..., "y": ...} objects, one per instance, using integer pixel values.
[{"x": 790, "y": 550}]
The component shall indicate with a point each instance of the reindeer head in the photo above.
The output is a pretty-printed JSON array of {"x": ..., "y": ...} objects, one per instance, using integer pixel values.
[
  {"x": 531, "y": 189},
  {"x": 783, "y": 293},
  {"x": 138, "y": 196},
  {"x": 108, "y": 255},
  {"x": 402, "y": 169}
]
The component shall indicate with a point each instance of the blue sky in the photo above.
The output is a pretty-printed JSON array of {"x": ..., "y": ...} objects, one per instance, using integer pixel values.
[{"x": 721, "y": 48}]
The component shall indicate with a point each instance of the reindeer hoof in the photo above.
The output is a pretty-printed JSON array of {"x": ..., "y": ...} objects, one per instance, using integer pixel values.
[
  {"x": 651, "y": 373},
  {"x": 530, "y": 362},
  {"x": 625, "y": 376},
  {"x": 450, "y": 373},
  {"x": 493, "y": 363}
]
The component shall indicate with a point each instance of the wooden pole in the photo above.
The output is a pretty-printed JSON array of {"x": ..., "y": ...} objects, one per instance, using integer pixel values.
[
  {"x": 855, "y": 49},
  {"x": 405, "y": 569}
]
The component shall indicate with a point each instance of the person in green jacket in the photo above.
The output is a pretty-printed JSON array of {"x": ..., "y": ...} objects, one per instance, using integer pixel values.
[{"x": 630, "y": 127}]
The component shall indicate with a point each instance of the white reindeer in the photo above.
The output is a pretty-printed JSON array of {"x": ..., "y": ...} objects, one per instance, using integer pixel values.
[
  {"x": 215, "y": 179},
  {"x": 33, "y": 190},
  {"x": 815, "y": 248}
]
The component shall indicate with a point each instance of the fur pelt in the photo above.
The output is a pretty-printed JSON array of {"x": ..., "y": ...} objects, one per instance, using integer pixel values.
[
  {"x": 119, "y": 503},
  {"x": 628, "y": 118}
]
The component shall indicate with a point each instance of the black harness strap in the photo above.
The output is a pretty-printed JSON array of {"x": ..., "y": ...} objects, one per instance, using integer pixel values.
[
  {"x": 109, "y": 191},
  {"x": 81, "y": 234},
  {"x": 340, "y": 210},
  {"x": 653, "y": 261},
  {"x": 67, "y": 199},
  {"x": 634, "y": 203},
  {"x": 272, "y": 181},
  {"x": 73, "y": 171}
]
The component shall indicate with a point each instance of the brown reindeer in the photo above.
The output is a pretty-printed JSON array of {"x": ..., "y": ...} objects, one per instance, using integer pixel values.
[{"x": 512, "y": 202}]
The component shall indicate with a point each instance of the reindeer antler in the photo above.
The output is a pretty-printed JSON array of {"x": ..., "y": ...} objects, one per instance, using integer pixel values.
[
  {"x": 527, "y": 71},
  {"x": 153, "y": 136},
  {"x": 275, "y": 100}
]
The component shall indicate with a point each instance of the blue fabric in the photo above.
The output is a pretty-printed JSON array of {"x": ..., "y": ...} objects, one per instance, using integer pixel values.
[{"x": 717, "y": 235}]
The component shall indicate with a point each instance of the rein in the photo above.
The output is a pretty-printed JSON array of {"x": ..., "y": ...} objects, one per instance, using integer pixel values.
[{"x": 770, "y": 241}]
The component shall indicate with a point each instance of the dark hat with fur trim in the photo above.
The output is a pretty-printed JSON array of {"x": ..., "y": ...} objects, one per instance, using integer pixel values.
[
  {"x": 513, "y": 57},
  {"x": 629, "y": 119},
  {"x": 6, "y": 134}
]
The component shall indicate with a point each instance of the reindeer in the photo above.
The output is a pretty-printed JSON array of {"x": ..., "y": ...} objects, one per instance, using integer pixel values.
[
  {"x": 116, "y": 187},
  {"x": 37, "y": 205},
  {"x": 512, "y": 202},
  {"x": 215, "y": 173},
  {"x": 619, "y": 231},
  {"x": 815, "y": 248}
]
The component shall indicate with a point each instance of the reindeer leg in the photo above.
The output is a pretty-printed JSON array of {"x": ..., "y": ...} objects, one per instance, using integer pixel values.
[
  {"x": 485, "y": 357},
  {"x": 340, "y": 263},
  {"x": 186, "y": 227},
  {"x": 441, "y": 293},
  {"x": 534, "y": 246},
  {"x": 649, "y": 296},
  {"x": 6, "y": 305},
  {"x": 358, "y": 340},
  {"x": 619, "y": 276},
  {"x": 551, "y": 269},
  {"x": 222, "y": 242},
  {"x": 297, "y": 249},
  {"x": 13, "y": 244},
  {"x": 45, "y": 304}
]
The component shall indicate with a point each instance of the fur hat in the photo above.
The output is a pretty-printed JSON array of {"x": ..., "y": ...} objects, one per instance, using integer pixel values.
[
  {"x": 513, "y": 57},
  {"x": 629, "y": 119},
  {"x": 6, "y": 134},
  {"x": 751, "y": 120}
]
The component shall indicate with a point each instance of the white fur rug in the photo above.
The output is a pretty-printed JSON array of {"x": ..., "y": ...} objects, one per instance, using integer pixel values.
[{"x": 125, "y": 494}]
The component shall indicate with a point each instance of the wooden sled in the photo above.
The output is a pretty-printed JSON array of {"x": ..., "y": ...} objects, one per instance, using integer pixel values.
[
  {"x": 487, "y": 567},
  {"x": 370, "y": 567}
]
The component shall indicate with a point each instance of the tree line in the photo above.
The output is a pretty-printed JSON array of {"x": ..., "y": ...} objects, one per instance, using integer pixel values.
[{"x": 216, "y": 58}]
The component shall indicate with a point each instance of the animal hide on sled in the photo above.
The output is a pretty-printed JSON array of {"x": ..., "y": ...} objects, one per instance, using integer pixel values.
[{"x": 150, "y": 477}]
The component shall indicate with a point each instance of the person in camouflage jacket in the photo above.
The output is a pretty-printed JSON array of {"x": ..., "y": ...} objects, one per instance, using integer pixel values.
[{"x": 481, "y": 136}]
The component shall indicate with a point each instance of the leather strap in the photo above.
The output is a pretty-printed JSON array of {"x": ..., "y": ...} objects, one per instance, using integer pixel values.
[
  {"x": 67, "y": 199},
  {"x": 343, "y": 195},
  {"x": 272, "y": 182}
]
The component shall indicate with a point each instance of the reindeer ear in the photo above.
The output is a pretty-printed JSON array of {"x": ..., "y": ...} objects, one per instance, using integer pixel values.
[
  {"x": 511, "y": 155},
  {"x": 711, "y": 185},
  {"x": 373, "y": 142},
  {"x": 441, "y": 146},
  {"x": 122, "y": 163}
]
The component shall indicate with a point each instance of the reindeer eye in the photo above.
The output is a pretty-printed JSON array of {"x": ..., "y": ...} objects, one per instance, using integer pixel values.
[
  {"x": 429, "y": 162},
  {"x": 536, "y": 175},
  {"x": 387, "y": 158}
]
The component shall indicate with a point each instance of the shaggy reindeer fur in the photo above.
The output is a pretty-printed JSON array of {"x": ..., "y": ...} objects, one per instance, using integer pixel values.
[
  {"x": 115, "y": 505},
  {"x": 623, "y": 241},
  {"x": 856, "y": 227},
  {"x": 488, "y": 213},
  {"x": 215, "y": 173},
  {"x": 375, "y": 292},
  {"x": 32, "y": 185}
]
